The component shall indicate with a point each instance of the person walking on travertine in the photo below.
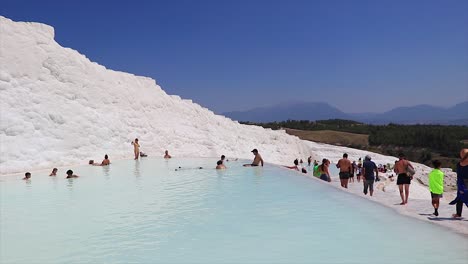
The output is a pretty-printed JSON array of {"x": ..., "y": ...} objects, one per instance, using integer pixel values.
[
  {"x": 345, "y": 169},
  {"x": 136, "y": 148},
  {"x": 368, "y": 169},
  {"x": 436, "y": 185},
  {"x": 462, "y": 184},
  {"x": 403, "y": 180},
  {"x": 257, "y": 160}
]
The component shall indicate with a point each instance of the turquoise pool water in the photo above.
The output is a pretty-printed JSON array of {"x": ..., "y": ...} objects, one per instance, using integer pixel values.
[{"x": 146, "y": 212}]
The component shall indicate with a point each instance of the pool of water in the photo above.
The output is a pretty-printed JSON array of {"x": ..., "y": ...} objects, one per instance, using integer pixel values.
[{"x": 146, "y": 212}]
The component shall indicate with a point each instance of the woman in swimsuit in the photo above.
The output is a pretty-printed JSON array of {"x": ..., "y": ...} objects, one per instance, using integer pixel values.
[
  {"x": 323, "y": 169},
  {"x": 136, "y": 148}
]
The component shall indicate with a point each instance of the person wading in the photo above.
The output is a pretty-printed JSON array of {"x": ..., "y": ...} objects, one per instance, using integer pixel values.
[{"x": 345, "y": 170}]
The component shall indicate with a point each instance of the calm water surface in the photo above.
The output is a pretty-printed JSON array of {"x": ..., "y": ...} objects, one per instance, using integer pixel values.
[{"x": 146, "y": 212}]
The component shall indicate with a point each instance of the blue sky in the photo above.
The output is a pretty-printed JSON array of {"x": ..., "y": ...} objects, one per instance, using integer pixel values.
[{"x": 360, "y": 56}]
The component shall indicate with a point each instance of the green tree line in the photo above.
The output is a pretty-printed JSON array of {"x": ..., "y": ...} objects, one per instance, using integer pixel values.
[{"x": 445, "y": 140}]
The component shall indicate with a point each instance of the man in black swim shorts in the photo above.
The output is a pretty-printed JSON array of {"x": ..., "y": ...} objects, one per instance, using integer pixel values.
[
  {"x": 345, "y": 168},
  {"x": 403, "y": 179}
]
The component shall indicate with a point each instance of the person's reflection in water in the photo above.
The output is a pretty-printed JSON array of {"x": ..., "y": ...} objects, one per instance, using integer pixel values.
[
  {"x": 258, "y": 172},
  {"x": 28, "y": 184},
  {"x": 70, "y": 183},
  {"x": 55, "y": 182},
  {"x": 106, "y": 170},
  {"x": 136, "y": 171},
  {"x": 137, "y": 174}
]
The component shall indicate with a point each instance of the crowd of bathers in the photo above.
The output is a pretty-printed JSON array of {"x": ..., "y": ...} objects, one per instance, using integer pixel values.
[{"x": 367, "y": 170}]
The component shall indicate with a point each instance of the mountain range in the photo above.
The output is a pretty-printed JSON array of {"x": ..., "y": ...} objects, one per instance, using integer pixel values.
[{"x": 419, "y": 114}]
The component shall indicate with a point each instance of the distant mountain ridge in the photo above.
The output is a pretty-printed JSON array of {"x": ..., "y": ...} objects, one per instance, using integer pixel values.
[
  {"x": 297, "y": 111},
  {"x": 419, "y": 114}
]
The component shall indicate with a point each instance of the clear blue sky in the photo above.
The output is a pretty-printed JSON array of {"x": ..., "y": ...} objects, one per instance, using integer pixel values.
[{"x": 361, "y": 56}]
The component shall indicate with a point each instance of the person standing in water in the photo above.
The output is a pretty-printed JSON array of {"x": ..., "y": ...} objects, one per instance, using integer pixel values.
[
  {"x": 309, "y": 160},
  {"x": 136, "y": 148},
  {"x": 220, "y": 165},
  {"x": 462, "y": 184},
  {"x": 316, "y": 172},
  {"x": 257, "y": 160},
  {"x": 54, "y": 172},
  {"x": 71, "y": 175},
  {"x": 222, "y": 161},
  {"x": 345, "y": 169},
  {"x": 403, "y": 180},
  {"x": 323, "y": 170},
  {"x": 104, "y": 162},
  {"x": 27, "y": 176},
  {"x": 166, "y": 155},
  {"x": 436, "y": 185}
]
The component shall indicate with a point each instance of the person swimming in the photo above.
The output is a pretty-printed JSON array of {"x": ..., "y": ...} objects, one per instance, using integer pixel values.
[
  {"x": 27, "y": 176},
  {"x": 166, "y": 155},
  {"x": 295, "y": 167},
  {"x": 71, "y": 175},
  {"x": 54, "y": 172},
  {"x": 220, "y": 165},
  {"x": 222, "y": 161}
]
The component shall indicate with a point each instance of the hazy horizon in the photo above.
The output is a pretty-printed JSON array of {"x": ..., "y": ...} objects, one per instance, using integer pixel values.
[
  {"x": 362, "y": 112},
  {"x": 359, "y": 56}
]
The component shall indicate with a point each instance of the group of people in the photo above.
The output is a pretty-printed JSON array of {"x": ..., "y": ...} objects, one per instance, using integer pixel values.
[
  {"x": 70, "y": 175},
  {"x": 138, "y": 153},
  {"x": 347, "y": 169},
  {"x": 404, "y": 170},
  {"x": 257, "y": 161},
  {"x": 436, "y": 185}
]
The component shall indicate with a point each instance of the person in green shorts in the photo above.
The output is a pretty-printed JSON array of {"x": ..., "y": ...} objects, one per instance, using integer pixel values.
[{"x": 436, "y": 185}]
